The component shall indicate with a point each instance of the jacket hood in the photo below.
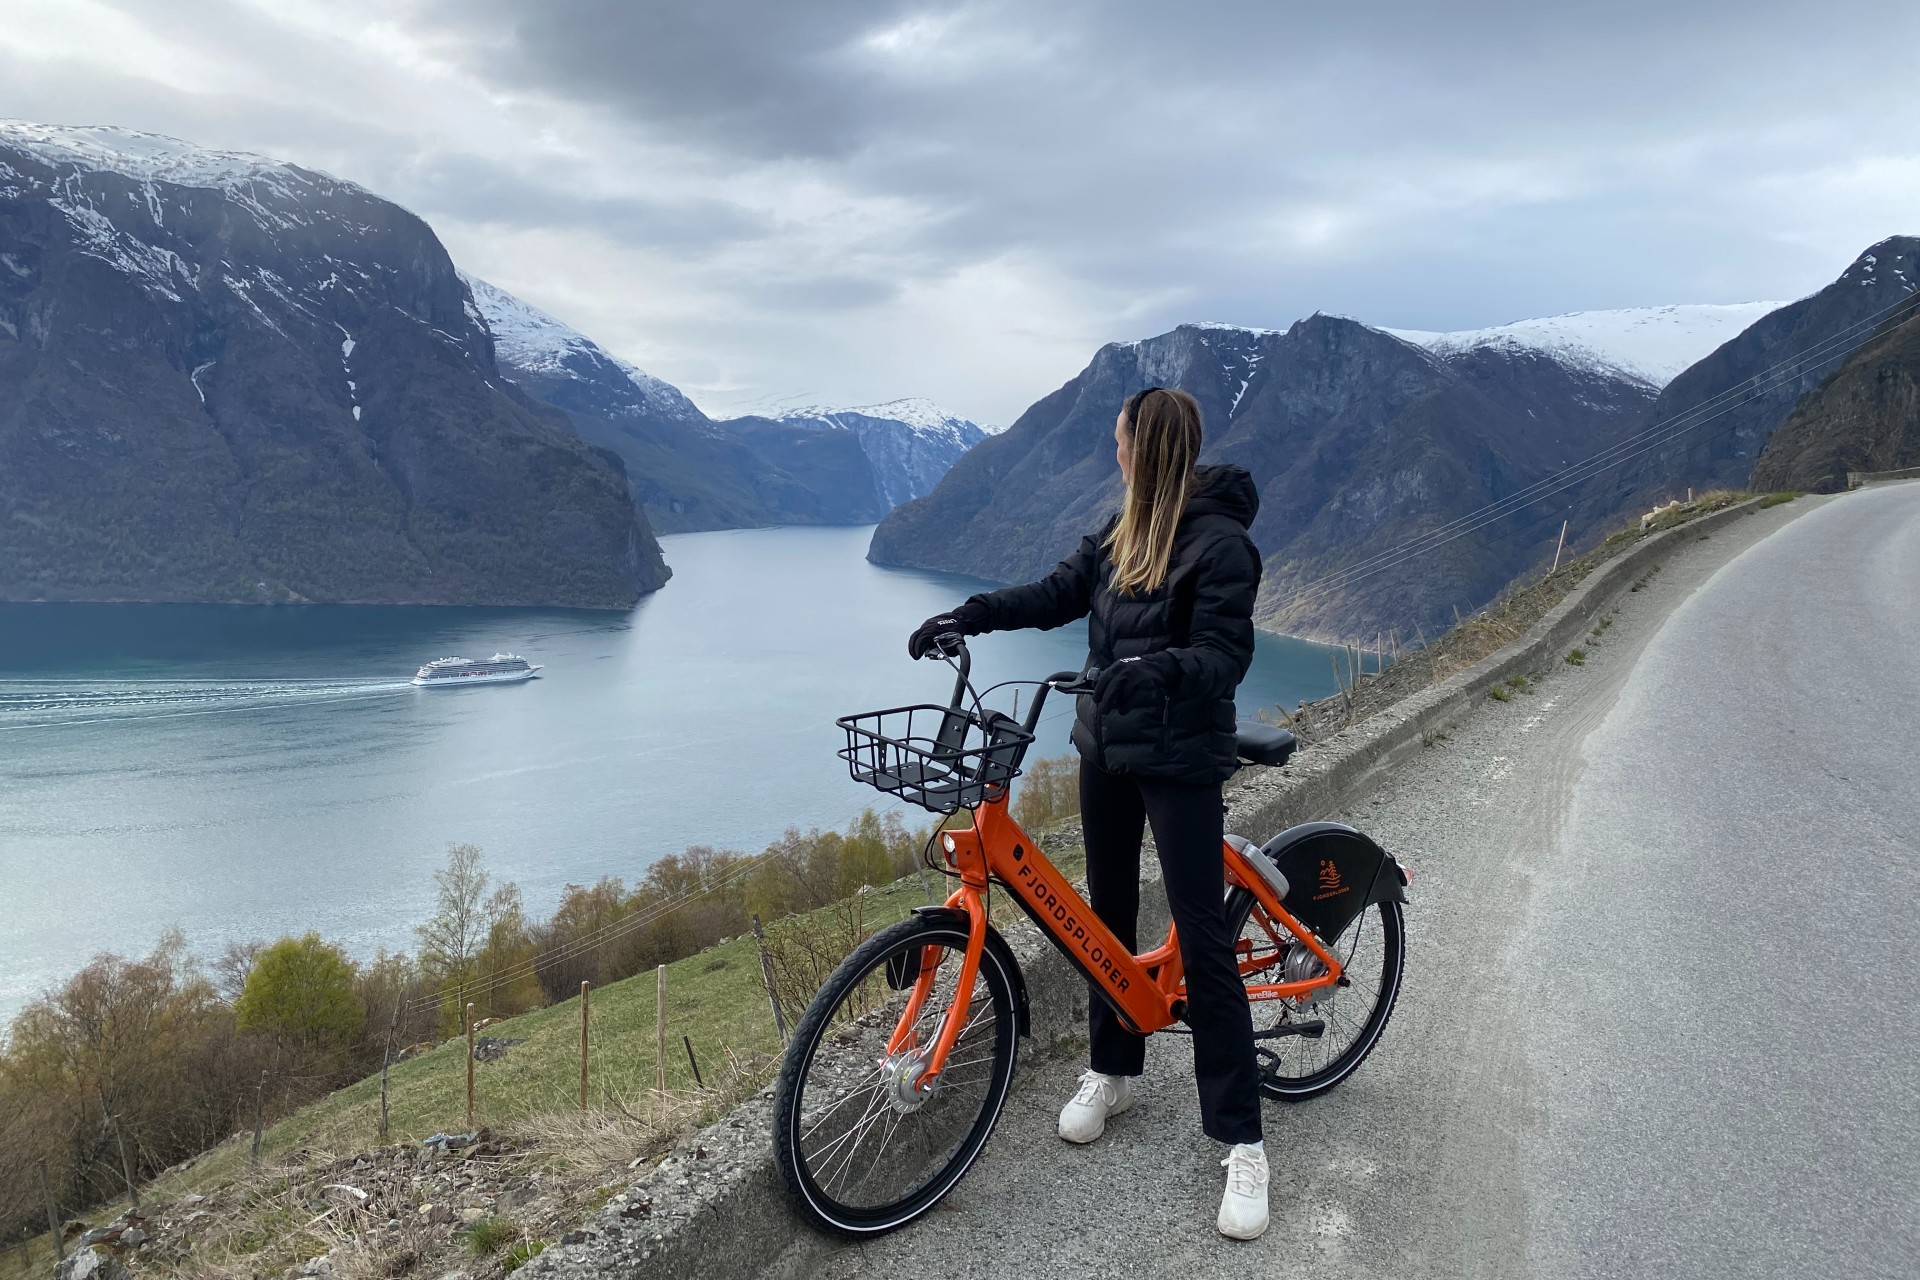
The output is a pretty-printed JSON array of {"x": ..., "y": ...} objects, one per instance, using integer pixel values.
[{"x": 1224, "y": 491}]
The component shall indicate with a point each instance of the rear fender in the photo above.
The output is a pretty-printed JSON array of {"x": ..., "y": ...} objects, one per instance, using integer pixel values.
[
  {"x": 1022, "y": 1015},
  {"x": 1334, "y": 873}
]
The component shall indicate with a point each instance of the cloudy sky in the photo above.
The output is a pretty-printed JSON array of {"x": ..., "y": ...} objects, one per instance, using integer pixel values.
[{"x": 772, "y": 202}]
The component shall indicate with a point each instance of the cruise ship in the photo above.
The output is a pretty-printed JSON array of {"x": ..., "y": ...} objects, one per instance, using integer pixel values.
[{"x": 501, "y": 668}]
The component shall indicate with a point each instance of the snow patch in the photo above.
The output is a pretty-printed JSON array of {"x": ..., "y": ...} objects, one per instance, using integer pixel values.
[
  {"x": 1649, "y": 344},
  {"x": 922, "y": 415},
  {"x": 527, "y": 339},
  {"x": 145, "y": 157}
]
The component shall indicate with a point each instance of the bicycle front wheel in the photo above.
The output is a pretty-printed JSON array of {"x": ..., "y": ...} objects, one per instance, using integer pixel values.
[
  {"x": 1309, "y": 1044},
  {"x": 860, "y": 1149}
]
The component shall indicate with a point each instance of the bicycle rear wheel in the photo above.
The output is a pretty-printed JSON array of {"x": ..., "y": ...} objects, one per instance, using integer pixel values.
[
  {"x": 859, "y": 1149},
  {"x": 1308, "y": 1045}
]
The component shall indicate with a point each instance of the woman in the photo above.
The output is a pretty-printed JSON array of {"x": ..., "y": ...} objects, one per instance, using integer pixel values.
[{"x": 1169, "y": 584}]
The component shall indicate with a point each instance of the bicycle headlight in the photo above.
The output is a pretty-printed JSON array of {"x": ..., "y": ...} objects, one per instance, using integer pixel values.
[{"x": 946, "y": 839}]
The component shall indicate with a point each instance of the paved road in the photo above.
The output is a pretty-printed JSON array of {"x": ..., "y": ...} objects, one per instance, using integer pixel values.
[{"x": 1658, "y": 1018}]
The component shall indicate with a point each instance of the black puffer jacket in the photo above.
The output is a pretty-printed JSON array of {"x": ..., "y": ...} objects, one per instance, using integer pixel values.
[{"x": 1194, "y": 636}]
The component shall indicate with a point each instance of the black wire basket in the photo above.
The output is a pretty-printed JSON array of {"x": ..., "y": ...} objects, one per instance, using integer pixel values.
[{"x": 940, "y": 758}]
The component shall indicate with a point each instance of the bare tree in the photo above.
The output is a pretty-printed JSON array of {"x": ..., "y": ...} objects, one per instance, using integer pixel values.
[
  {"x": 230, "y": 970},
  {"x": 452, "y": 938}
]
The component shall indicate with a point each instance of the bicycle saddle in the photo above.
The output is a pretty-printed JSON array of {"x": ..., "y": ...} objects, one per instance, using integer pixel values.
[{"x": 1258, "y": 743}]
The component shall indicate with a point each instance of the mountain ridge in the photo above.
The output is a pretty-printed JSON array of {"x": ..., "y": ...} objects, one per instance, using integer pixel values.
[
  {"x": 693, "y": 472},
  {"x": 1356, "y": 438},
  {"x": 234, "y": 379}
]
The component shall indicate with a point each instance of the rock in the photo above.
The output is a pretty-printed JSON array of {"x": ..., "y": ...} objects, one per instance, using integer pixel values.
[
  {"x": 492, "y": 1048},
  {"x": 89, "y": 1263},
  {"x": 133, "y": 1237},
  {"x": 440, "y": 1215},
  {"x": 472, "y": 1215}
]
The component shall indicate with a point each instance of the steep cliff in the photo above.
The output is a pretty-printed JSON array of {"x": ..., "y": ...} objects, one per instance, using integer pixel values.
[
  {"x": 224, "y": 378},
  {"x": 1866, "y": 417}
]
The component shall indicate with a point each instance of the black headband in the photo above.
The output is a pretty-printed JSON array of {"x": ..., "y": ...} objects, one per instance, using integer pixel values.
[{"x": 1134, "y": 401}]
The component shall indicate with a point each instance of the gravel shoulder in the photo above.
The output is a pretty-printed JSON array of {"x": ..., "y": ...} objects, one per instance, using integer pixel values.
[{"x": 1420, "y": 1164}]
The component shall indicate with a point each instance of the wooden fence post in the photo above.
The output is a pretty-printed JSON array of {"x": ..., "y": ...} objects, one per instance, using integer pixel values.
[
  {"x": 660, "y": 1029},
  {"x": 259, "y": 1106},
  {"x": 386, "y": 1060},
  {"x": 585, "y": 988},
  {"x": 469, "y": 1068},
  {"x": 766, "y": 973},
  {"x": 53, "y": 1216}
]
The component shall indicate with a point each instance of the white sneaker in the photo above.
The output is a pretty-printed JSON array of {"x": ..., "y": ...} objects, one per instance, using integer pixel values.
[
  {"x": 1243, "y": 1209},
  {"x": 1084, "y": 1118}
]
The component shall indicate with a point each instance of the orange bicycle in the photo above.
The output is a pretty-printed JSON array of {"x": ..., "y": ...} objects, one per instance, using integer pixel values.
[{"x": 899, "y": 1070}]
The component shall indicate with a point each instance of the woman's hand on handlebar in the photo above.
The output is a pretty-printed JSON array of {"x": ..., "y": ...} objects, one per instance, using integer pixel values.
[{"x": 937, "y": 634}]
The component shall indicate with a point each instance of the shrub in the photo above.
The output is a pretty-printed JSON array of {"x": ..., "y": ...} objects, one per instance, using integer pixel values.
[
  {"x": 491, "y": 1235},
  {"x": 1577, "y": 658},
  {"x": 521, "y": 1254},
  {"x": 301, "y": 991}
]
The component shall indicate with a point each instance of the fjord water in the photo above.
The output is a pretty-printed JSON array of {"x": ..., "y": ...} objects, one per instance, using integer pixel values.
[{"x": 251, "y": 772}]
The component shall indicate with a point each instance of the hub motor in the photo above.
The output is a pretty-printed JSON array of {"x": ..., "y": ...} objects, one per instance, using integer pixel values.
[
  {"x": 900, "y": 1081},
  {"x": 1302, "y": 965}
]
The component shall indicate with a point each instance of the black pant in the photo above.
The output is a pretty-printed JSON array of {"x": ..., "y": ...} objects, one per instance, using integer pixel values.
[{"x": 1187, "y": 827}]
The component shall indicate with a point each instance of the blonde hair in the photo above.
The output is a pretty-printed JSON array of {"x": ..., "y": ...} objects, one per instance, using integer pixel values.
[{"x": 1163, "y": 431}]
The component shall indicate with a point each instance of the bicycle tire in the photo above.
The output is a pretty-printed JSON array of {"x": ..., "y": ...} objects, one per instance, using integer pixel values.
[
  {"x": 825, "y": 1027},
  {"x": 1276, "y": 1079}
]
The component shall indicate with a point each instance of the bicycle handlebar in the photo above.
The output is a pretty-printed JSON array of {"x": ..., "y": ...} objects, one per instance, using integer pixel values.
[{"x": 954, "y": 645}]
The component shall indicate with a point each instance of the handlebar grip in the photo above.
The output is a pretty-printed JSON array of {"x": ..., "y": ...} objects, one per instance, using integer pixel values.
[{"x": 1075, "y": 682}]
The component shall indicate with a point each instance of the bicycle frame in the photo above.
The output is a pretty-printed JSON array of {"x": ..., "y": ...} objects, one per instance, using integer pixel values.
[{"x": 1146, "y": 990}]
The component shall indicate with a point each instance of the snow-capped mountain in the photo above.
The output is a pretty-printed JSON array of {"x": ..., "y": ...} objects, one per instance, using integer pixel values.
[
  {"x": 1470, "y": 447},
  {"x": 811, "y": 466},
  {"x": 535, "y": 344},
  {"x": 226, "y": 377},
  {"x": 1651, "y": 344},
  {"x": 911, "y": 443}
]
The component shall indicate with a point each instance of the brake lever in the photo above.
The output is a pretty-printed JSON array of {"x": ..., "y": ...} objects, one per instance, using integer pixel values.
[{"x": 1084, "y": 685}]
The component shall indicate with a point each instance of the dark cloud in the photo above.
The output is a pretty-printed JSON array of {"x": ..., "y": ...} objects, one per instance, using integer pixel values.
[
  {"x": 1222, "y": 150},
  {"x": 977, "y": 192}
]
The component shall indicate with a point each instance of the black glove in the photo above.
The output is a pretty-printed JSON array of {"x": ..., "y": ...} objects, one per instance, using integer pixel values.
[
  {"x": 964, "y": 621},
  {"x": 1131, "y": 682}
]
